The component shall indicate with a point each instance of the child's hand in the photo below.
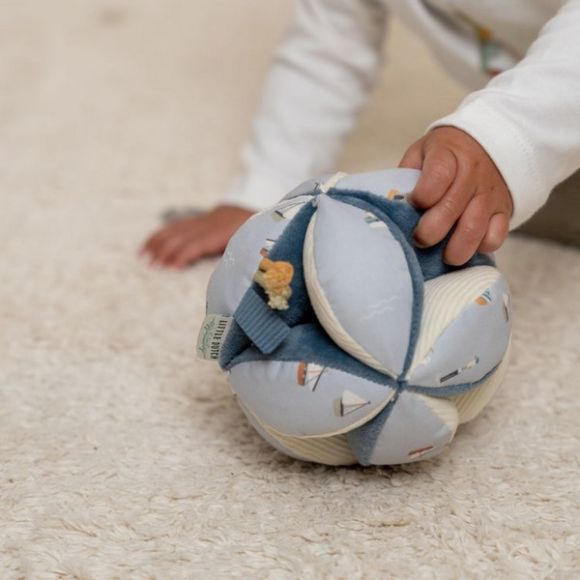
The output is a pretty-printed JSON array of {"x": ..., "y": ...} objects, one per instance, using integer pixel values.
[
  {"x": 460, "y": 183},
  {"x": 187, "y": 240}
]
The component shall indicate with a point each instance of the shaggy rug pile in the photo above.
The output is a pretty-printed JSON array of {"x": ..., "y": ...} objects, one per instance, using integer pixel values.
[{"x": 121, "y": 455}]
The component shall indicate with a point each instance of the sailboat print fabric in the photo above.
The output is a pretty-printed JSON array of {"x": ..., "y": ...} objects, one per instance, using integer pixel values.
[{"x": 343, "y": 342}]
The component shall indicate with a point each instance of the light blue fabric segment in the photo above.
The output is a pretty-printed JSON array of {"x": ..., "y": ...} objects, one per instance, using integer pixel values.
[
  {"x": 377, "y": 182},
  {"x": 307, "y": 187},
  {"x": 356, "y": 256},
  {"x": 381, "y": 182},
  {"x": 253, "y": 240},
  {"x": 269, "y": 439},
  {"x": 304, "y": 342},
  {"x": 288, "y": 208},
  {"x": 451, "y": 390},
  {"x": 362, "y": 439},
  {"x": 369, "y": 204},
  {"x": 411, "y": 426},
  {"x": 406, "y": 218},
  {"x": 235, "y": 271},
  {"x": 471, "y": 346},
  {"x": 301, "y": 398}
]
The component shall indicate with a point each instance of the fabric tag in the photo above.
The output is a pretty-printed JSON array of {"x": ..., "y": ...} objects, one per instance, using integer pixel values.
[{"x": 212, "y": 334}]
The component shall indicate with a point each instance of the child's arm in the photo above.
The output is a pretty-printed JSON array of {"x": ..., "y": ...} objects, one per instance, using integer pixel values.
[
  {"x": 321, "y": 76},
  {"x": 518, "y": 135}
]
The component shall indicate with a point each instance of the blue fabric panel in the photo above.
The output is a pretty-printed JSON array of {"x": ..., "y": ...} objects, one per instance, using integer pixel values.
[
  {"x": 235, "y": 343},
  {"x": 289, "y": 247},
  {"x": 362, "y": 440},
  {"x": 413, "y": 428},
  {"x": 262, "y": 324}
]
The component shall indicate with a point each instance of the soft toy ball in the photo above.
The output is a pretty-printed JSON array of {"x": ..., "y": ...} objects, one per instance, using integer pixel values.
[{"x": 345, "y": 343}]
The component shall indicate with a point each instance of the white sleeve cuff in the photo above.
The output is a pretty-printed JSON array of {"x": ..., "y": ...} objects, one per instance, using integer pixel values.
[{"x": 511, "y": 152}]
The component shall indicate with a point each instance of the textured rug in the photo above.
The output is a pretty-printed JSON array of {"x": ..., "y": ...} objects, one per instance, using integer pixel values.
[{"x": 124, "y": 457}]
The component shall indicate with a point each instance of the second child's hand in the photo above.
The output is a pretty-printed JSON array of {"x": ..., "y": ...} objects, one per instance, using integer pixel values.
[
  {"x": 459, "y": 184},
  {"x": 186, "y": 240}
]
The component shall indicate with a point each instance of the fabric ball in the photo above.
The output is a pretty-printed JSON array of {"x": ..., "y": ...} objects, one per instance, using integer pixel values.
[{"x": 343, "y": 342}]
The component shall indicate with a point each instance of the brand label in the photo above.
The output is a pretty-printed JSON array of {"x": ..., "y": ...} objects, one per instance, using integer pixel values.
[{"x": 212, "y": 335}]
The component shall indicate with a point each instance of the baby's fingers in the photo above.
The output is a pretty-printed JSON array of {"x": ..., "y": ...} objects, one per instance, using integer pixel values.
[
  {"x": 192, "y": 252},
  {"x": 164, "y": 254},
  {"x": 436, "y": 222},
  {"x": 469, "y": 233},
  {"x": 154, "y": 244},
  {"x": 497, "y": 232},
  {"x": 438, "y": 173}
]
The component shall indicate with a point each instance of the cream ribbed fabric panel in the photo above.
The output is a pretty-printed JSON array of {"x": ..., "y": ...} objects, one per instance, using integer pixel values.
[
  {"x": 444, "y": 299},
  {"x": 444, "y": 408},
  {"x": 470, "y": 404},
  {"x": 327, "y": 450},
  {"x": 324, "y": 312}
]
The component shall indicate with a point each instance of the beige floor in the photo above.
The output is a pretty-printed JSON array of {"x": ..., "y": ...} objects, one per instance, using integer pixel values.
[{"x": 121, "y": 455}]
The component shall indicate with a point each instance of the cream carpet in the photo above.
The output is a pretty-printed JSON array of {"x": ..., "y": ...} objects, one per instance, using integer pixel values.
[{"x": 124, "y": 457}]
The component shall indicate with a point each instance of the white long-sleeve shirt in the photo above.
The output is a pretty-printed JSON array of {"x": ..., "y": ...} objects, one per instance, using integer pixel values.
[{"x": 522, "y": 57}]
